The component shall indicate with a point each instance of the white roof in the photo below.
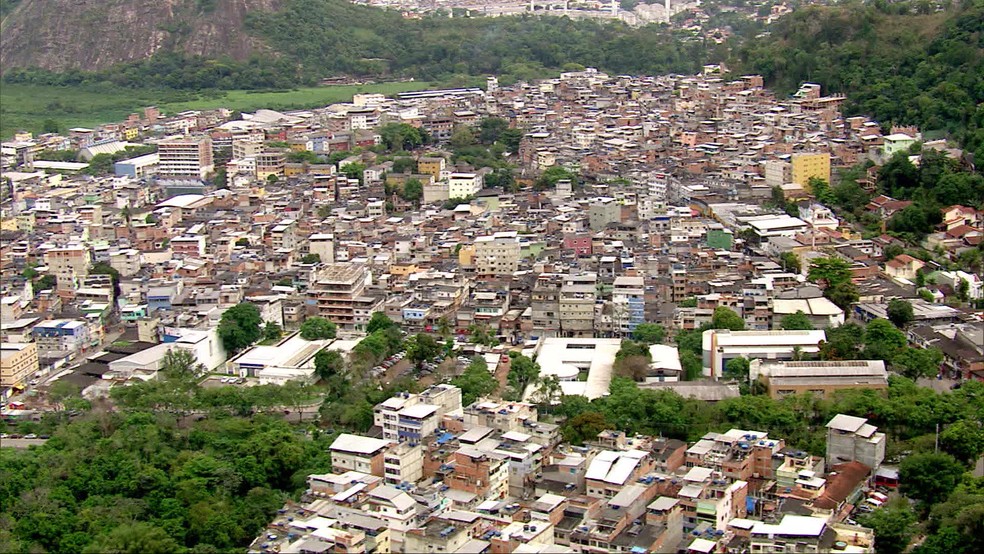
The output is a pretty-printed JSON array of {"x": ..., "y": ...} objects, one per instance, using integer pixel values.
[
  {"x": 418, "y": 410},
  {"x": 180, "y": 201},
  {"x": 842, "y": 422},
  {"x": 358, "y": 444},
  {"x": 797, "y": 526},
  {"x": 702, "y": 545}
]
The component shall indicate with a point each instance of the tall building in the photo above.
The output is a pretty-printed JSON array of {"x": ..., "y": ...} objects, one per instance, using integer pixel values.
[
  {"x": 628, "y": 303},
  {"x": 497, "y": 254},
  {"x": 808, "y": 165},
  {"x": 577, "y": 305},
  {"x": 68, "y": 264},
  {"x": 463, "y": 185},
  {"x": 338, "y": 291},
  {"x": 853, "y": 439},
  {"x": 185, "y": 158}
]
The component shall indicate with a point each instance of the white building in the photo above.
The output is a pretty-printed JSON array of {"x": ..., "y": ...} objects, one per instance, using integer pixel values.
[
  {"x": 853, "y": 439},
  {"x": 497, "y": 254},
  {"x": 463, "y": 185},
  {"x": 722, "y": 345}
]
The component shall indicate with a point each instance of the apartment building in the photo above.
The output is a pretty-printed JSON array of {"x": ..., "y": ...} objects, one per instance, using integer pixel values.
[
  {"x": 628, "y": 304},
  {"x": 60, "y": 337},
  {"x": 545, "y": 304},
  {"x": 463, "y": 185},
  {"x": 322, "y": 244},
  {"x": 577, "y": 305},
  {"x": 185, "y": 158},
  {"x": 479, "y": 472},
  {"x": 18, "y": 362},
  {"x": 497, "y": 254},
  {"x": 270, "y": 161},
  {"x": 68, "y": 264},
  {"x": 357, "y": 453},
  {"x": 413, "y": 417},
  {"x": 338, "y": 291},
  {"x": 283, "y": 235},
  {"x": 805, "y": 166},
  {"x": 736, "y": 454}
]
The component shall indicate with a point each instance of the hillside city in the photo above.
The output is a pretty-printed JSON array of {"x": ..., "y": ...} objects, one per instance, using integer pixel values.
[{"x": 445, "y": 282}]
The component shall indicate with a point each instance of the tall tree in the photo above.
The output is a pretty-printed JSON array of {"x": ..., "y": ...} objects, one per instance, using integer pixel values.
[
  {"x": 318, "y": 328},
  {"x": 239, "y": 327},
  {"x": 649, "y": 333},
  {"x": 726, "y": 318},
  {"x": 476, "y": 381},
  {"x": 829, "y": 271},
  {"x": 929, "y": 477}
]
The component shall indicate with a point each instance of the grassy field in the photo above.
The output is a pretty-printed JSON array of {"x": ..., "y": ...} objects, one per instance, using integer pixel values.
[{"x": 29, "y": 106}]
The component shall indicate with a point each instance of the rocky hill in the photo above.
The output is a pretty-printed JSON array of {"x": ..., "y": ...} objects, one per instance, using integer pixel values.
[{"x": 96, "y": 34}]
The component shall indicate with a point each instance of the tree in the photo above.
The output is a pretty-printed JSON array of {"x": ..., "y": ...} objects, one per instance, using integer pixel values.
[
  {"x": 796, "y": 322},
  {"x": 964, "y": 440},
  {"x": 272, "y": 331},
  {"x": 917, "y": 362},
  {"x": 929, "y": 476},
  {"x": 900, "y": 312},
  {"x": 584, "y": 427},
  {"x": 103, "y": 268},
  {"x": 491, "y": 128},
  {"x": 479, "y": 333},
  {"x": 221, "y": 178},
  {"x": 649, "y": 333},
  {"x": 50, "y": 126},
  {"x": 328, "y": 363},
  {"x": 737, "y": 369},
  {"x": 313, "y": 258},
  {"x": 242, "y": 242},
  {"x": 691, "y": 364},
  {"x": 400, "y": 136},
  {"x": 421, "y": 348},
  {"x": 522, "y": 372},
  {"x": 413, "y": 191},
  {"x": 726, "y": 318},
  {"x": 842, "y": 294},
  {"x": 893, "y": 526},
  {"x": 462, "y": 137},
  {"x": 318, "y": 328},
  {"x": 882, "y": 340},
  {"x": 829, "y": 271},
  {"x": 239, "y": 327},
  {"x": 790, "y": 262},
  {"x": 179, "y": 363},
  {"x": 46, "y": 282},
  {"x": 273, "y": 179},
  {"x": 843, "y": 343},
  {"x": 476, "y": 381},
  {"x": 134, "y": 538},
  {"x": 379, "y": 321},
  {"x": 548, "y": 179}
]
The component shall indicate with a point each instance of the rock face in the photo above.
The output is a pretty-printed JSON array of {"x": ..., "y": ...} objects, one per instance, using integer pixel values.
[{"x": 95, "y": 34}]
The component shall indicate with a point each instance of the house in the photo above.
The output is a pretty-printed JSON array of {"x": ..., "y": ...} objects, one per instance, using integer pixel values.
[
  {"x": 903, "y": 266},
  {"x": 357, "y": 453}
]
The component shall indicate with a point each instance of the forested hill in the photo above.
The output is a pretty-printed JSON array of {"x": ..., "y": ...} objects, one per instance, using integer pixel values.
[{"x": 900, "y": 63}]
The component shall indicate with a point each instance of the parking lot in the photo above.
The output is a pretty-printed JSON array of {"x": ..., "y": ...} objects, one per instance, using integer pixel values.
[{"x": 225, "y": 381}]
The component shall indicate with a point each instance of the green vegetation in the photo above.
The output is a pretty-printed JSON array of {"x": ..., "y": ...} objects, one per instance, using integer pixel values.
[
  {"x": 27, "y": 106},
  {"x": 920, "y": 66},
  {"x": 476, "y": 381},
  {"x": 522, "y": 373},
  {"x": 318, "y": 328},
  {"x": 239, "y": 327}
]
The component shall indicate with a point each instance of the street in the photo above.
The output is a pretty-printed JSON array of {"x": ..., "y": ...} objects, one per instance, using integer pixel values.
[{"x": 21, "y": 443}]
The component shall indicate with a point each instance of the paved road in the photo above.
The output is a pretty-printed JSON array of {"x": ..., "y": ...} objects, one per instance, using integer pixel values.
[{"x": 21, "y": 443}]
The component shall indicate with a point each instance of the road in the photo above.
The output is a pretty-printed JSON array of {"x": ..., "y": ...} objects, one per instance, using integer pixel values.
[{"x": 21, "y": 443}]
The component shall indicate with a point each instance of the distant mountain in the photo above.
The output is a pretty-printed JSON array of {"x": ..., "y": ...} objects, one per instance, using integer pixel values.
[{"x": 96, "y": 34}]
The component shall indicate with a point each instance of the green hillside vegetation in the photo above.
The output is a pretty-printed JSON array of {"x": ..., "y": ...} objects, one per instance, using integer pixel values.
[
  {"x": 28, "y": 106},
  {"x": 901, "y": 63}
]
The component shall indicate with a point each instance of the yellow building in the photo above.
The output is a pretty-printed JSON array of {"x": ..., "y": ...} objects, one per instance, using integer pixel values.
[
  {"x": 807, "y": 165},
  {"x": 431, "y": 166},
  {"x": 402, "y": 270},
  {"x": 18, "y": 362}
]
